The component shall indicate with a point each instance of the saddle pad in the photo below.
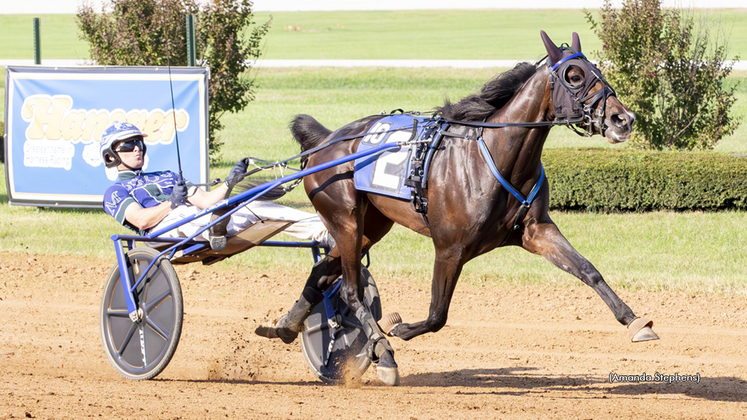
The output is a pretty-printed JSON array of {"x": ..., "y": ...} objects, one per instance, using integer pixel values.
[{"x": 386, "y": 172}]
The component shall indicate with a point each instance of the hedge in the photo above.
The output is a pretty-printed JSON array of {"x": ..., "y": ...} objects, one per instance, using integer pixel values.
[{"x": 629, "y": 180}]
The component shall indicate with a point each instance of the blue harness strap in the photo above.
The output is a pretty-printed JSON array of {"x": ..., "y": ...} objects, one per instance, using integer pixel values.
[
  {"x": 570, "y": 57},
  {"x": 507, "y": 185}
]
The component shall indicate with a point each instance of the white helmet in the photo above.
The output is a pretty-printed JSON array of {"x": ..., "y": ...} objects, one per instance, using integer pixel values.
[{"x": 115, "y": 133}]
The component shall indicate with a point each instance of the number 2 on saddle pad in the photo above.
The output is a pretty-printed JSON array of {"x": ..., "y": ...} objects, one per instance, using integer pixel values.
[{"x": 385, "y": 173}]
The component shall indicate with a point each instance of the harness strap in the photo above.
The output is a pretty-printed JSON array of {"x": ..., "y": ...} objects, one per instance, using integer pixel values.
[
  {"x": 450, "y": 134},
  {"x": 596, "y": 96},
  {"x": 570, "y": 57},
  {"x": 507, "y": 185},
  {"x": 325, "y": 145},
  {"x": 527, "y": 125},
  {"x": 525, "y": 202}
]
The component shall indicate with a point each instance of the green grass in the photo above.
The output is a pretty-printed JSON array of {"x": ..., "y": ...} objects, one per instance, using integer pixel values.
[
  {"x": 425, "y": 34},
  {"x": 434, "y": 34},
  {"x": 693, "y": 252},
  {"x": 698, "y": 252},
  {"x": 59, "y": 37},
  {"x": 684, "y": 251}
]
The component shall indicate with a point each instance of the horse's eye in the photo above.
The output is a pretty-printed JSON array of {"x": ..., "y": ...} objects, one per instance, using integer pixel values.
[{"x": 575, "y": 77}]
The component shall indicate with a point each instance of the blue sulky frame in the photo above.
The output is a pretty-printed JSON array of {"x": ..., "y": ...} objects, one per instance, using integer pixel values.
[{"x": 189, "y": 245}]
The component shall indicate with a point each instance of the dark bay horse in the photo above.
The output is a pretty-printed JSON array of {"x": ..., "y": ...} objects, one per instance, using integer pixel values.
[{"x": 487, "y": 163}]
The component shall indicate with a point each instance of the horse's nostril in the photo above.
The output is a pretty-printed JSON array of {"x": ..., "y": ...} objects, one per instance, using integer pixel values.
[{"x": 620, "y": 120}]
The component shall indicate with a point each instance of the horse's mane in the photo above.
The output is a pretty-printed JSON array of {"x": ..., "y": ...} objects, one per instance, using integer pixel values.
[{"x": 493, "y": 96}]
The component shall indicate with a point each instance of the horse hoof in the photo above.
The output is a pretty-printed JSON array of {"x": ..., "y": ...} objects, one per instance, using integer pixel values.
[
  {"x": 645, "y": 334},
  {"x": 388, "y": 375},
  {"x": 640, "y": 330},
  {"x": 267, "y": 331},
  {"x": 387, "y": 370},
  {"x": 390, "y": 321}
]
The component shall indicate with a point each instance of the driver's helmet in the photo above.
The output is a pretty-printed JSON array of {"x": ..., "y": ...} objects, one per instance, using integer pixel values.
[{"x": 114, "y": 134}]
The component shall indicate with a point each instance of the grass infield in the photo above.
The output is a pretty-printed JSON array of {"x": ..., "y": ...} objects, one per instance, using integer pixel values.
[
  {"x": 694, "y": 252},
  {"x": 697, "y": 252},
  {"x": 419, "y": 34}
]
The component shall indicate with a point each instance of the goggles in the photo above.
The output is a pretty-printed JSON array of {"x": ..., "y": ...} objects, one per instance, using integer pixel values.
[{"x": 129, "y": 146}]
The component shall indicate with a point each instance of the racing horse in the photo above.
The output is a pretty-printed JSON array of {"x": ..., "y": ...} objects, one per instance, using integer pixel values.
[{"x": 486, "y": 189}]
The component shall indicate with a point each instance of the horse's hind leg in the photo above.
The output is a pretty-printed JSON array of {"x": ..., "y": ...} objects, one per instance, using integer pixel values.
[
  {"x": 545, "y": 239},
  {"x": 350, "y": 242}
]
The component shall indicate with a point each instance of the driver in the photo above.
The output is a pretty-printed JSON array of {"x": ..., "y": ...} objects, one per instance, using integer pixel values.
[{"x": 150, "y": 201}]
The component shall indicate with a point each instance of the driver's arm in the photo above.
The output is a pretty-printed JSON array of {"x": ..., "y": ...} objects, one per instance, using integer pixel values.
[
  {"x": 204, "y": 199},
  {"x": 146, "y": 218},
  {"x": 143, "y": 218}
]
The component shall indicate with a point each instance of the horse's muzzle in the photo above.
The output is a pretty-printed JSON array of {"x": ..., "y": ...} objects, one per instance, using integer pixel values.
[{"x": 619, "y": 123}]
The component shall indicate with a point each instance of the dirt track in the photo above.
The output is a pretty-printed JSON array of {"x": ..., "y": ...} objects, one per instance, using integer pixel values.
[{"x": 506, "y": 352}]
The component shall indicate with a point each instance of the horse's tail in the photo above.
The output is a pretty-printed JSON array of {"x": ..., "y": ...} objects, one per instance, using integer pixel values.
[{"x": 308, "y": 131}]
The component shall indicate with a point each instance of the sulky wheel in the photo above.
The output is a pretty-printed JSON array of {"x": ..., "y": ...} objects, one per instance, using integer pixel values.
[
  {"x": 334, "y": 344},
  {"x": 141, "y": 350}
]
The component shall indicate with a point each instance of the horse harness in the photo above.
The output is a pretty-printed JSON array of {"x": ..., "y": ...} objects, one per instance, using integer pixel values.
[
  {"x": 430, "y": 141},
  {"x": 566, "y": 101},
  {"x": 573, "y": 105}
]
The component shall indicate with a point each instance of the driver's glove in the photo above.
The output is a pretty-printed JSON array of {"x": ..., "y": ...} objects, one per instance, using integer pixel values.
[
  {"x": 237, "y": 172},
  {"x": 178, "y": 195}
]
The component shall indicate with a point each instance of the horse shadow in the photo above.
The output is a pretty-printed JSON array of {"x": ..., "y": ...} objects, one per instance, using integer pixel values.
[
  {"x": 520, "y": 381},
  {"x": 517, "y": 381}
]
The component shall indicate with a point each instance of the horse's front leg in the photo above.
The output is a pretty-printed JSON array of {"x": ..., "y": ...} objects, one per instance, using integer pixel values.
[
  {"x": 446, "y": 271},
  {"x": 544, "y": 238}
]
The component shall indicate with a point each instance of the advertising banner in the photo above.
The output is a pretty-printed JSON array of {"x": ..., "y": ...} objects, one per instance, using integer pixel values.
[{"x": 54, "y": 118}]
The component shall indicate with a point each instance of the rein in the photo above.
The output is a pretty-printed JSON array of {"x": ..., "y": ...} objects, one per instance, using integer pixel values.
[
  {"x": 483, "y": 124},
  {"x": 302, "y": 155}
]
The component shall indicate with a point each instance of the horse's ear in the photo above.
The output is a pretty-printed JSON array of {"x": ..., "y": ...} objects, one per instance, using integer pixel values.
[
  {"x": 553, "y": 52},
  {"x": 576, "y": 43}
]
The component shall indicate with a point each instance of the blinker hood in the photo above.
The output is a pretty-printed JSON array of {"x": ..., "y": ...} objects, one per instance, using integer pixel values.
[{"x": 568, "y": 102}]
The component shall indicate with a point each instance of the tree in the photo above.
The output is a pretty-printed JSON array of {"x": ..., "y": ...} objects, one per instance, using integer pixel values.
[
  {"x": 670, "y": 71},
  {"x": 134, "y": 33}
]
